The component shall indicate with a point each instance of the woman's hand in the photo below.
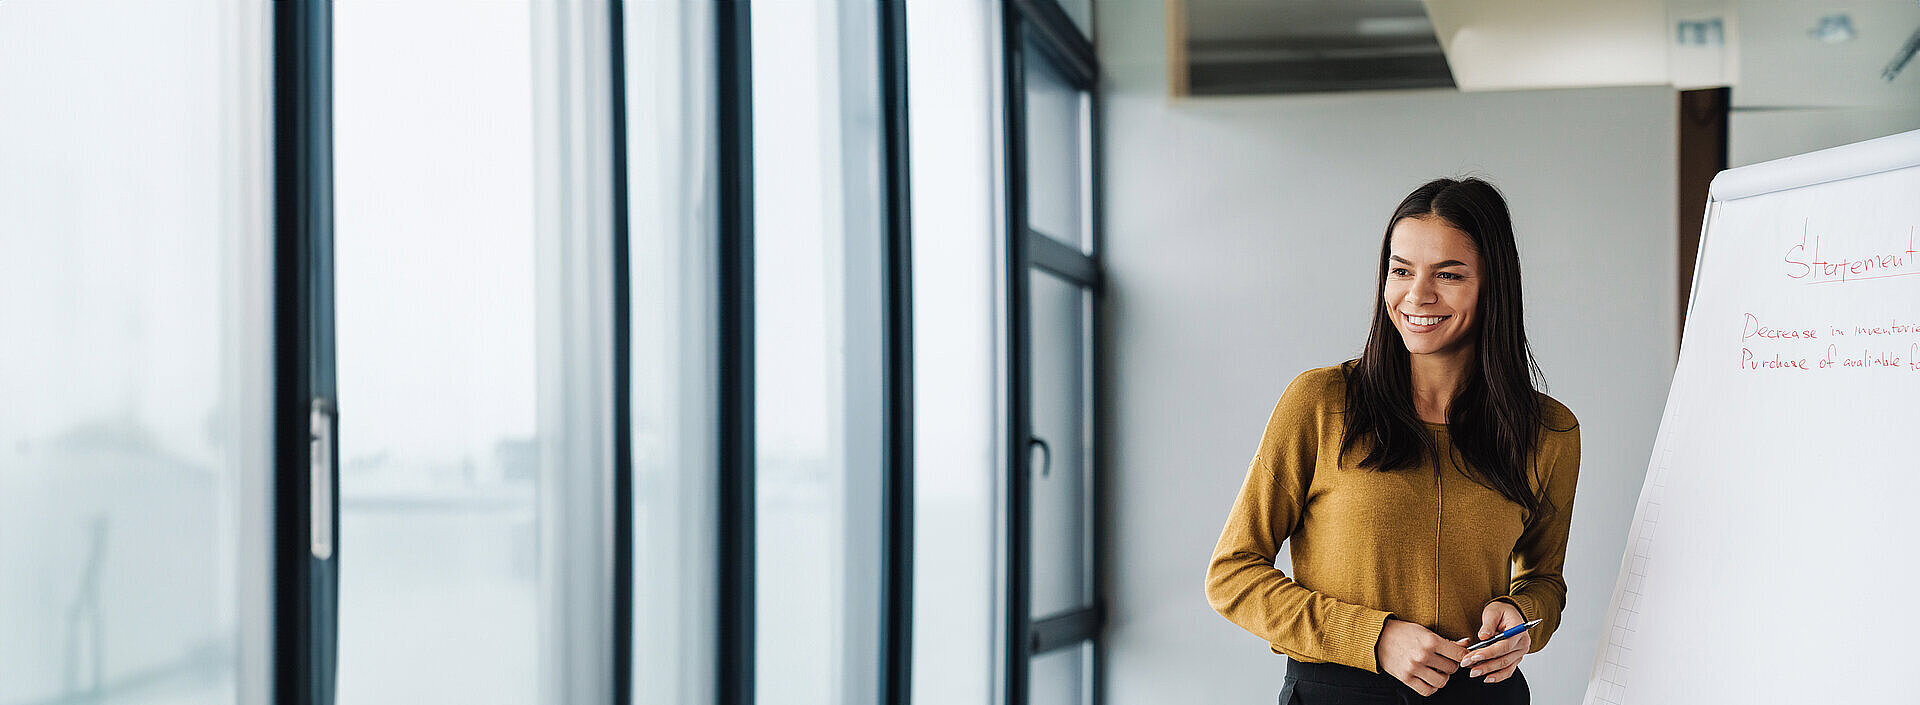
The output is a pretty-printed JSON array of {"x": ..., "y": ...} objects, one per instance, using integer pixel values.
[
  {"x": 1416, "y": 656},
  {"x": 1499, "y": 660}
]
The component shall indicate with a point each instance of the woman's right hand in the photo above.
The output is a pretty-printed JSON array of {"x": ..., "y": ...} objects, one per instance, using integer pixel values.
[{"x": 1416, "y": 656}]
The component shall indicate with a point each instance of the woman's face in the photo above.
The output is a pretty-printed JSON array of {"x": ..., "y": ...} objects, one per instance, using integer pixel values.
[{"x": 1433, "y": 286}]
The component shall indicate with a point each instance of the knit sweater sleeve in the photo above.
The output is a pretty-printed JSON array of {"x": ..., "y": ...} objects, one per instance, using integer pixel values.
[
  {"x": 1243, "y": 584},
  {"x": 1537, "y": 587}
]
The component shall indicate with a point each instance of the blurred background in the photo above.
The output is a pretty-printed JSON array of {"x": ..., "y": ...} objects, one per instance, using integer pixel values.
[{"x": 789, "y": 351}]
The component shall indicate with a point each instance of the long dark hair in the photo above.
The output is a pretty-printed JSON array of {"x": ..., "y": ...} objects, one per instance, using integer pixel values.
[{"x": 1495, "y": 417}]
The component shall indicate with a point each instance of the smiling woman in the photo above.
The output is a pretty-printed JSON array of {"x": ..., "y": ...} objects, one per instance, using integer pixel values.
[
  {"x": 1434, "y": 437},
  {"x": 1432, "y": 288}
]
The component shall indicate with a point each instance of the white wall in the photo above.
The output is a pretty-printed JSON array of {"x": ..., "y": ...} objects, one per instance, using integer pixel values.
[
  {"x": 1241, "y": 234},
  {"x": 1758, "y": 136}
]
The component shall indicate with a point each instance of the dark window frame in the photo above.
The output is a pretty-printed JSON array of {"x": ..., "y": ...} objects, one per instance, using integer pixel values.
[
  {"x": 305, "y": 588},
  {"x": 623, "y": 543},
  {"x": 896, "y": 595},
  {"x": 735, "y": 664},
  {"x": 1071, "y": 53}
]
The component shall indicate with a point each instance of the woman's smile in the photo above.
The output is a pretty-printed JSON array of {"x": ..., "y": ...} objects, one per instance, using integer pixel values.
[{"x": 1422, "y": 324}]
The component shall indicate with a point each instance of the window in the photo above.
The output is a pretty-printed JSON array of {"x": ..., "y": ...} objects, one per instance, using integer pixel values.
[
  {"x": 1053, "y": 655},
  {"x": 440, "y": 448},
  {"x": 472, "y": 286},
  {"x": 818, "y": 321},
  {"x": 958, "y": 461},
  {"x": 673, "y": 264},
  {"x": 135, "y": 290},
  {"x": 590, "y": 324}
]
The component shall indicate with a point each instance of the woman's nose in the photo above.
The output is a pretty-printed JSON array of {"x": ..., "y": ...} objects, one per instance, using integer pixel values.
[{"x": 1420, "y": 293}]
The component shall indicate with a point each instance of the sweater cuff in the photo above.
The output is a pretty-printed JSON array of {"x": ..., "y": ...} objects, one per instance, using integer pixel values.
[
  {"x": 1354, "y": 636},
  {"x": 1529, "y": 611}
]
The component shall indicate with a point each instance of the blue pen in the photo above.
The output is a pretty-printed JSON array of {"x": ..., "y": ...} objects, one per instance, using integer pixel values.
[{"x": 1511, "y": 631}]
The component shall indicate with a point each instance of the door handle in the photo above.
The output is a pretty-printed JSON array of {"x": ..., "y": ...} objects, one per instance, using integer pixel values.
[
  {"x": 320, "y": 478},
  {"x": 1046, "y": 466}
]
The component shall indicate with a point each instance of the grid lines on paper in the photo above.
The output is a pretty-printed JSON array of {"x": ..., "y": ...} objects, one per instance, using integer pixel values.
[{"x": 1611, "y": 685}]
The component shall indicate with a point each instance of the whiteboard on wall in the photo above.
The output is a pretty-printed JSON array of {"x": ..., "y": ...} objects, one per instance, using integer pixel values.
[{"x": 1775, "y": 553}]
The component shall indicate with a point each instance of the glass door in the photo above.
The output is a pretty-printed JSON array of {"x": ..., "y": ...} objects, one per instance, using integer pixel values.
[{"x": 1053, "y": 501}]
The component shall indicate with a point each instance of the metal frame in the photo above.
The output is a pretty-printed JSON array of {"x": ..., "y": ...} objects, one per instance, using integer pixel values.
[
  {"x": 1064, "y": 630},
  {"x": 1097, "y": 376},
  {"x": 623, "y": 544},
  {"x": 896, "y": 550},
  {"x": 734, "y": 665},
  {"x": 1017, "y": 601},
  {"x": 305, "y": 587},
  {"x": 1062, "y": 44},
  {"x": 1056, "y": 257},
  {"x": 1061, "y": 39}
]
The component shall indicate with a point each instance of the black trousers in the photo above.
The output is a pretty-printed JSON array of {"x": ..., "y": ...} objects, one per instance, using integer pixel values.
[{"x": 1335, "y": 684}]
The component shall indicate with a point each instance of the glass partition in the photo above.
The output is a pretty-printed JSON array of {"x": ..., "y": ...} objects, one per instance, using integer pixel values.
[{"x": 135, "y": 295}]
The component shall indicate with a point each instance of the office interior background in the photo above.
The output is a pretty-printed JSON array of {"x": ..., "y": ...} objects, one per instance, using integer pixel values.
[{"x": 790, "y": 352}]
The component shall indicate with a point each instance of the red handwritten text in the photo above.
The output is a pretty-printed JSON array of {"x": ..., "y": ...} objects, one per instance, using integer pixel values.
[
  {"x": 1878, "y": 265},
  {"x": 1753, "y": 329},
  {"x": 1747, "y": 362}
]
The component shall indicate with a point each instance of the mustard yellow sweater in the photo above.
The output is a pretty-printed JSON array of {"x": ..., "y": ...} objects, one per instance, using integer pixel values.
[{"x": 1427, "y": 545}]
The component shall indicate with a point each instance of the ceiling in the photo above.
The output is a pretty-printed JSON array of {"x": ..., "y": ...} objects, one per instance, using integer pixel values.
[{"x": 1770, "y": 51}]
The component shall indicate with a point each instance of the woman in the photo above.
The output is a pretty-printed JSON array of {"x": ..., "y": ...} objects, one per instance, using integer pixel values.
[{"x": 1426, "y": 487}]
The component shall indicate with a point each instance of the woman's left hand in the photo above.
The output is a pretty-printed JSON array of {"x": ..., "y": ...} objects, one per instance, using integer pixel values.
[{"x": 1498, "y": 662}]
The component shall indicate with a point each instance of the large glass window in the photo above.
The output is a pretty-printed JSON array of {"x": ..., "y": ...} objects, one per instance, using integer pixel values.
[
  {"x": 473, "y": 325},
  {"x": 135, "y": 382},
  {"x": 957, "y": 385},
  {"x": 439, "y": 449},
  {"x": 818, "y": 417},
  {"x": 672, "y": 259},
  {"x": 474, "y": 335}
]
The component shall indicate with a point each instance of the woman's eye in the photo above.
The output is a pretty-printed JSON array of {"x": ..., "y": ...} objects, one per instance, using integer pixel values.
[
  {"x": 1449, "y": 275},
  {"x": 1398, "y": 271}
]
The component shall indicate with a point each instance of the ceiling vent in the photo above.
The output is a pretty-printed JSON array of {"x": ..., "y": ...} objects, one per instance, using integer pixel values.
[{"x": 1240, "y": 47}]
